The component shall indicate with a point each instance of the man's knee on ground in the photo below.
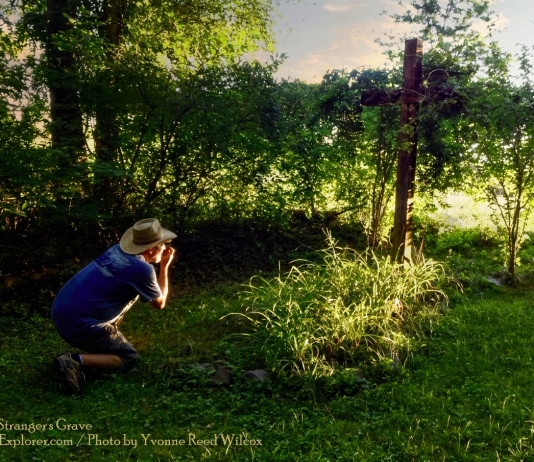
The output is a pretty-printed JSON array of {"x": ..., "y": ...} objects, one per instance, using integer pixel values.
[{"x": 130, "y": 362}]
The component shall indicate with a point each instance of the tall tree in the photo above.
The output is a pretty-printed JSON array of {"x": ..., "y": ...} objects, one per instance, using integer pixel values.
[
  {"x": 179, "y": 137},
  {"x": 26, "y": 169},
  {"x": 370, "y": 145},
  {"x": 311, "y": 160},
  {"x": 91, "y": 46},
  {"x": 66, "y": 126},
  {"x": 504, "y": 147}
]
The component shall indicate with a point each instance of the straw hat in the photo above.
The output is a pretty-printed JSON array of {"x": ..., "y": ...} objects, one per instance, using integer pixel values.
[{"x": 144, "y": 235}]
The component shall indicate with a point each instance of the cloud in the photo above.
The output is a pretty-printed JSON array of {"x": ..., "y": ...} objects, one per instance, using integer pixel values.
[
  {"x": 351, "y": 48},
  {"x": 316, "y": 59},
  {"x": 501, "y": 22},
  {"x": 337, "y": 9}
]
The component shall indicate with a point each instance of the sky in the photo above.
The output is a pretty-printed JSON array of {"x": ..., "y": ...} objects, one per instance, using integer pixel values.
[{"x": 321, "y": 35}]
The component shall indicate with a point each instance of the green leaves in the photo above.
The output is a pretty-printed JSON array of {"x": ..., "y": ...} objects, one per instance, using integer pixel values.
[
  {"x": 350, "y": 308},
  {"x": 443, "y": 21},
  {"x": 504, "y": 145},
  {"x": 200, "y": 33}
]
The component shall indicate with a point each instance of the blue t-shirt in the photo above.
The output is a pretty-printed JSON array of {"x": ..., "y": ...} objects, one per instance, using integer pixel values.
[{"x": 101, "y": 290}]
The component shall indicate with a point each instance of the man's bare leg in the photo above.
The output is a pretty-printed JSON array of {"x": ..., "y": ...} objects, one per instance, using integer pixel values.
[{"x": 101, "y": 361}]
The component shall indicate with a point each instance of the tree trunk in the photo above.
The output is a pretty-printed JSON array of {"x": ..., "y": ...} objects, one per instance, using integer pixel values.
[
  {"x": 384, "y": 167},
  {"x": 513, "y": 235},
  {"x": 106, "y": 133},
  {"x": 66, "y": 118}
]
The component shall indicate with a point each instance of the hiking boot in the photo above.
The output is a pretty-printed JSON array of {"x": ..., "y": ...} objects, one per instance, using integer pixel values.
[{"x": 71, "y": 369}]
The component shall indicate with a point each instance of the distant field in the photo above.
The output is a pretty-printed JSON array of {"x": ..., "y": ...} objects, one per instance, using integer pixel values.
[{"x": 464, "y": 212}]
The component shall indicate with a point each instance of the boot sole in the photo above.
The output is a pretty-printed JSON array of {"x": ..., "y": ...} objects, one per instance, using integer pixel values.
[{"x": 61, "y": 369}]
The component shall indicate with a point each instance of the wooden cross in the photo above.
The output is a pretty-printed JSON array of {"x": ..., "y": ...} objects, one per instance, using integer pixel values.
[{"x": 409, "y": 97}]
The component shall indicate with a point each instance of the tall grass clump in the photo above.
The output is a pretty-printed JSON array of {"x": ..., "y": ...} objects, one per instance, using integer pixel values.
[{"x": 349, "y": 309}]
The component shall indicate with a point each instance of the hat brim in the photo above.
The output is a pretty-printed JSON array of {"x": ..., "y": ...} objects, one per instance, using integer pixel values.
[{"x": 127, "y": 245}]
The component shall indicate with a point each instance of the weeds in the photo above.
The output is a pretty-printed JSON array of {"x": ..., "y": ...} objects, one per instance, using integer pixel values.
[
  {"x": 350, "y": 308},
  {"x": 465, "y": 395}
]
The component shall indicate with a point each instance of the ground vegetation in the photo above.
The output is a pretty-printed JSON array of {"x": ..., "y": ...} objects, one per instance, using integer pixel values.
[{"x": 113, "y": 111}]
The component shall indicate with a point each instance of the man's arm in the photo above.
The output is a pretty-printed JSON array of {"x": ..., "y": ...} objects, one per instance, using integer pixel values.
[{"x": 163, "y": 278}]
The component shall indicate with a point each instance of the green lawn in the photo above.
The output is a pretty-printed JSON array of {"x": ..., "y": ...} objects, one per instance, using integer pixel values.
[{"x": 467, "y": 395}]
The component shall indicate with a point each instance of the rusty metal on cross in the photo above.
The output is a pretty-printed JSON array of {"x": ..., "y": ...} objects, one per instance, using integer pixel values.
[{"x": 410, "y": 96}]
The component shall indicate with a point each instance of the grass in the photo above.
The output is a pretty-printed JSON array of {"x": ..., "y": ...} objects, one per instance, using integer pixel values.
[
  {"x": 350, "y": 309},
  {"x": 464, "y": 396}
]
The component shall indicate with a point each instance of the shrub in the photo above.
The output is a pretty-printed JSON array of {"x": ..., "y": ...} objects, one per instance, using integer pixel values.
[
  {"x": 465, "y": 240},
  {"x": 350, "y": 308}
]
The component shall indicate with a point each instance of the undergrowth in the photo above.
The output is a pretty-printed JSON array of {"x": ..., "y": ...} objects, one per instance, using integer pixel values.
[
  {"x": 349, "y": 309},
  {"x": 463, "y": 395}
]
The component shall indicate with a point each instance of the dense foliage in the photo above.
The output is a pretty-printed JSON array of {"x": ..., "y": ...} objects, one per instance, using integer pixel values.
[{"x": 112, "y": 110}]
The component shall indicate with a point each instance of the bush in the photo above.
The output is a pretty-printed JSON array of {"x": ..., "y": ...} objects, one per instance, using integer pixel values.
[
  {"x": 465, "y": 240},
  {"x": 350, "y": 308}
]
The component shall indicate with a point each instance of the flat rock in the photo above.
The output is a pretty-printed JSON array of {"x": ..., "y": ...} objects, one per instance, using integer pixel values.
[
  {"x": 258, "y": 374},
  {"x": 217, "y": 372}
]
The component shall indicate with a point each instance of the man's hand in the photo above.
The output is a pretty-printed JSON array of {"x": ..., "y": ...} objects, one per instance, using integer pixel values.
[
  {"x": 163, "y": 278},
  {"x": 166, "y": 257}
]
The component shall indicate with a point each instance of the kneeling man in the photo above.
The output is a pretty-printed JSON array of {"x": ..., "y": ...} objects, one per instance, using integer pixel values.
[{"x": 89, "y": 307}]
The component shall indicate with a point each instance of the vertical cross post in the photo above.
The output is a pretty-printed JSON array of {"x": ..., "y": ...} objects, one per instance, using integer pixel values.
[{"x": 407, "y": 150}]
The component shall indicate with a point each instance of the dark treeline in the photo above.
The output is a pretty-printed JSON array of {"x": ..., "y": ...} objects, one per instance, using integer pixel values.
[{"x": 111, "y": 111}]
